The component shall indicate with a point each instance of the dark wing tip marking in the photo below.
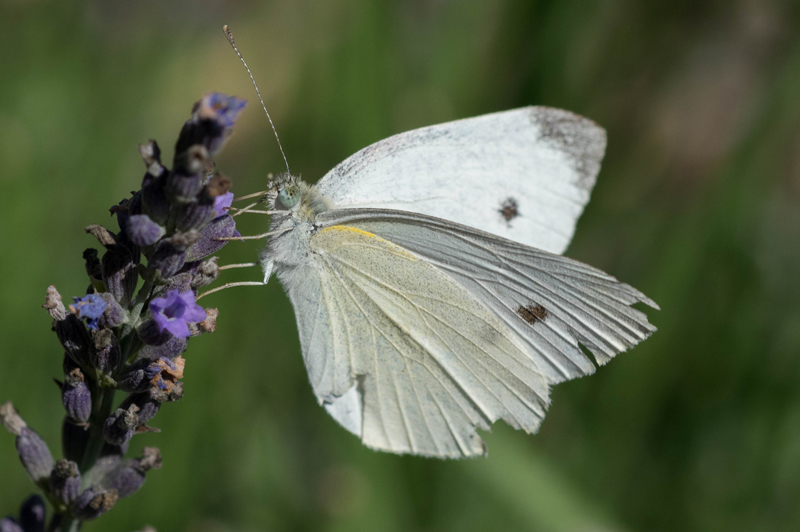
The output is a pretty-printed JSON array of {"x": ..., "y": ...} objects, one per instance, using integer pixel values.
[
  {"x": 509, "y": 209},
  {"x": 581, "y": 138},
  {"x": 532, "y": 313}
]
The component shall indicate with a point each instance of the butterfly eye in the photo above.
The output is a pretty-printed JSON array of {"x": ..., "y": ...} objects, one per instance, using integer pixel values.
[{"x": 288, "y": 197}]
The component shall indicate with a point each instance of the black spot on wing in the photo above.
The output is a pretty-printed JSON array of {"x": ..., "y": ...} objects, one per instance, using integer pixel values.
[
  {"x": 509, "y": 209},
  {"x": 532, "y": 313}
]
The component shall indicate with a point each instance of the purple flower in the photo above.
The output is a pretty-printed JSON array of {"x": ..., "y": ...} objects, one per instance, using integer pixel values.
[
  {"x": 222, "y": 204},
  {"x": 175, "y": 312},
  {"x": 90, "y": 307},
  {"x": 225, "y": 109}
]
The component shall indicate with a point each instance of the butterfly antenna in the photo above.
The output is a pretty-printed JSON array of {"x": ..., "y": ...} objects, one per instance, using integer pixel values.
[{"x": 229, "y": 35}]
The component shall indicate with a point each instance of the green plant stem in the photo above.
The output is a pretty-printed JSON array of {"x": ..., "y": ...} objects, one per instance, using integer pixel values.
[
  {"x": 141, "y": 299},
  {"x": 68, "y": 524},
  {"x": 100, "y": 412}
]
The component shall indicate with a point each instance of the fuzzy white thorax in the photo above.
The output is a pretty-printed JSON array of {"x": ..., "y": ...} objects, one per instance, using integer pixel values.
[{"x": 287, "y": 250}]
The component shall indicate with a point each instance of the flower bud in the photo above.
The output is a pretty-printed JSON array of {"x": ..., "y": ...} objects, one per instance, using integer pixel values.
[
  {"x": 31, "y": 448},
  {"x": 206, "y": 273},
  {"x": 182, "y": 184},
  {"x": 145, "y": 402},
  {"x": 93, "y": 503},
  {"x": 121, "y": 425},
  {"x": 191, "y": 160},
  {"x": 93, "y": 269},
  {"x": 74, "y": 338},
  {"x": 32, "y": 514},
  {"x": 124, "y": 210},
  {"x": 195, "y": 214},
  {"x": 76, "y": 397},
  {"x": 209, "y": 243},
  {"x": 119, "y": 274},
  {"x": 129, "y": 475},
  {"x": 73, "y": 440},
  {"x": 65, "y": 481},
  {"x": 154, "y": 199},
  {"x": 151, "y": 155},
  {"x": 180, "y": 282},
  {"x": 114, "y": 315},
  {"x": 211, "y": 121},
  {"x": 107, "y": 354},
  {"x": 168, "y": 258},
  {"x": 54, "y": 305},
  {"x": 133, "y": 379},
  {"x": 171, "y": 349},
  {"x": 150, "y": 334},
  {"x": 34, "y": 455},
  {"x": 9, "y": 524},
  {"x": 143, "y": 231}
]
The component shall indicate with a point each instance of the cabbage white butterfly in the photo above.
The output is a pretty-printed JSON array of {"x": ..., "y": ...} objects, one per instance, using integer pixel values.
[{"x": 427, "y": 282}]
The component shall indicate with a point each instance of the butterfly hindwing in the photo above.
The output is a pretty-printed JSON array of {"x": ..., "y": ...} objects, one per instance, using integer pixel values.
[
  {"x": 550, "y": 302},
  {"x": 428, "y": 362}
]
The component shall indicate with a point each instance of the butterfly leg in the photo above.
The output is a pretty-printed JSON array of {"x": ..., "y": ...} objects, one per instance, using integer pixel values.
[
  {"x": 256, "y": 237},
  {"x": 248, "y": 209},
  {"x": 241, "y": 265},
  {"x": 230, "y": 285},
  {"x": 263, "y": 193}
]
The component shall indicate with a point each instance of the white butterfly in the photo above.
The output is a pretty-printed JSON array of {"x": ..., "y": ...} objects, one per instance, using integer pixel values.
[{"x": 425, "y": 274}]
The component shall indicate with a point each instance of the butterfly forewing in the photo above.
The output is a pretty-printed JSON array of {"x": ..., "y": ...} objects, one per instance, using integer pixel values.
[{"x": 524, "y": 174}]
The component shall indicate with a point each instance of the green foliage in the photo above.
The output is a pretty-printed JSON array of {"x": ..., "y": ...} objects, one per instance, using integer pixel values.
[{"x": 697, "y": 205}]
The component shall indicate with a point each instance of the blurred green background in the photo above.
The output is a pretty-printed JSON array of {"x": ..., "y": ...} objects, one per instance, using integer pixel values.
[{"x": 697, "y": 205}]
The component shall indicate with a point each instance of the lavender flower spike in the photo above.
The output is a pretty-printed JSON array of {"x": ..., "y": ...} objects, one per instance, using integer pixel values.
[
  {"x": 113, "y": 342},
  {"x": 175, "y": 312}
]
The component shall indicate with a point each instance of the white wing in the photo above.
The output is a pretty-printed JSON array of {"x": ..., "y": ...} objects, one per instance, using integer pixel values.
[
  {"x": 390, "y": 339},
  {"x": 524, "y": 174},
  {"x": 550, "y": 302}
]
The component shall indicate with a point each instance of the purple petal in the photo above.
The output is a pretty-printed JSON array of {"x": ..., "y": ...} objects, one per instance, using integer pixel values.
[
  {"x": 194, "y": 314},
  {"x": 221, "y": 227},
  {"x": 157, "y": 305},
  {"x": 161, "y": 321},
  {"x": 187, "y": 298},
  {"x": 222, "y": 203},
  {"x": 172, "y": 297},
  {"x": 178, "y": 328},
  {"x": 225, "y": 109}
]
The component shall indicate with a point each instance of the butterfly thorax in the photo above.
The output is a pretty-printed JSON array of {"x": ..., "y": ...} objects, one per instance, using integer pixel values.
[{"x": 297, "y": 205}]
